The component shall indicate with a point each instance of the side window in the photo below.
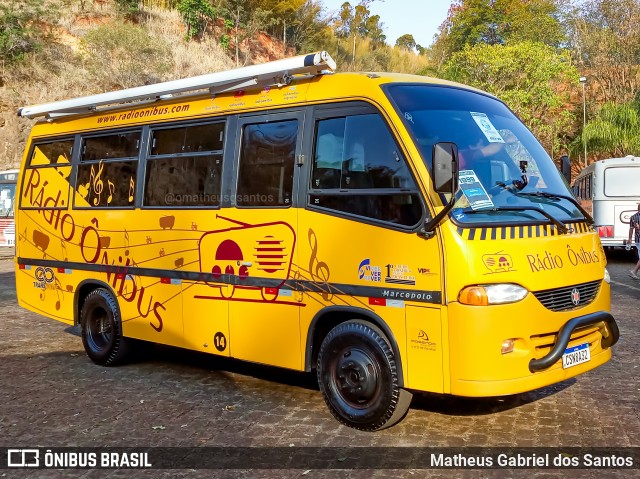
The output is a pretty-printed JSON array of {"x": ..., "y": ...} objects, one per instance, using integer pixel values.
[
  {"x": 107, "y": 171},
  {"x": 358, "y": 152},
  {"x": 185, "y": 166},
  {"x": 267, "y": 160},
  {"x": 359, "y": 169},
  {"x": 46, "y": 178}
]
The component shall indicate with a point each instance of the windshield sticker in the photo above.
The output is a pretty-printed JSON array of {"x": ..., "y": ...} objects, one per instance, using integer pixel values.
[
  {"x": 483, "y": 122},
  {"x": 473, "y": 190}
]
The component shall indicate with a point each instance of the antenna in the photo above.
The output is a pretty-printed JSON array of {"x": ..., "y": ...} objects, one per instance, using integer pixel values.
[{"x": 279, "y": 72}]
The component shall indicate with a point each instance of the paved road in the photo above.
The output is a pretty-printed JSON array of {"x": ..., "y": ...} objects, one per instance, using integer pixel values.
[{"x": 52, "y": 395}]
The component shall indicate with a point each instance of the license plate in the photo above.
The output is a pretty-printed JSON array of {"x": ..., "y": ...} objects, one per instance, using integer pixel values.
[{"x": 576, "y": 355}]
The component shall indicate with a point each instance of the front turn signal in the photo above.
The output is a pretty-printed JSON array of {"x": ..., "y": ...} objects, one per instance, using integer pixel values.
[{"x": 484, "y": 295}]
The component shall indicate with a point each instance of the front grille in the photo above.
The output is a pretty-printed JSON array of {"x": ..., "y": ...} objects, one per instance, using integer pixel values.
[
  {"x": 543, "y": 343},
  {"x": 562, "y": 299}
]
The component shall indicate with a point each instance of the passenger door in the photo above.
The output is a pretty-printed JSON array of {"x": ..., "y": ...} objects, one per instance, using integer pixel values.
[{"x": 263, "y": 308}]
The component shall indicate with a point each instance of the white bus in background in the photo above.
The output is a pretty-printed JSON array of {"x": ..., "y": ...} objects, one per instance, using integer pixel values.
[
  {"x": 8, "y": 180},
  {"x": 610, "y": 191}
]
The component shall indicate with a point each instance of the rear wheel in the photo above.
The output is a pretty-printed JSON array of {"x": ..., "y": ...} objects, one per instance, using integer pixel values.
[
  {"x": 358, "y": 378},
  {"x": 102, "y": 328}
]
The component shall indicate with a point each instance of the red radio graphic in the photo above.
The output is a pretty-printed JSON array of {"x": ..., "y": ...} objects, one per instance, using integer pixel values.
[
  {"x": 497, "y": 263},
  {"x": 247, "y": 251}
]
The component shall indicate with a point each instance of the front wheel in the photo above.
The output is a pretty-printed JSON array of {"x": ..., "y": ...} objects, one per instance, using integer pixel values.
[
  {"x": 358, "y": 377},
  {"x": 102, "y": 328}
]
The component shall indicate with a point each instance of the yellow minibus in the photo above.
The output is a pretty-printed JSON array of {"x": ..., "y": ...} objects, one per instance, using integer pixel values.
[{"x": 393, "y": 233}]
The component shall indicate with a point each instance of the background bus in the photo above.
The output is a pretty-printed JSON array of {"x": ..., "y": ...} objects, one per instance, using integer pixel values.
[
  {"x": 8, "y": 181},
  {"x": 610, "y": 190}
]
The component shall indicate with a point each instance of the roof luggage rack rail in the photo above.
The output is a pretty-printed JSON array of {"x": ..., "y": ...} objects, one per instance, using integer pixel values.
[{"x": 279, "y": 72}]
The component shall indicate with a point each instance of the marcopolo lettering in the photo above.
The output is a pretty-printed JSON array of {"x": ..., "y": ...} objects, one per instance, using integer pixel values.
[{"x": 410, "y": 295}]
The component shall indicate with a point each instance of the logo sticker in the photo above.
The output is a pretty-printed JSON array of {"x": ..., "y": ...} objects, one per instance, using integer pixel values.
[
  {"x": 44, "y": 277},
  {"x": 498, "y": 262},
  {"x": 399, "y": 274},
  {"x": 367, "y": 272},
  {"x": 422, "y": 342},
  {"x": 575, "y": 296}
]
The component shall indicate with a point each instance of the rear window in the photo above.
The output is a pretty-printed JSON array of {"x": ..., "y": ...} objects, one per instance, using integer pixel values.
[{"x": 622, "y": 181}]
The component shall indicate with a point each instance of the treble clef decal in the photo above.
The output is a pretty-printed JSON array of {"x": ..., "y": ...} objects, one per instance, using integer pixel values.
[
  {"x": 96, "y": 183},
  {"x": 319, "y": 270}
]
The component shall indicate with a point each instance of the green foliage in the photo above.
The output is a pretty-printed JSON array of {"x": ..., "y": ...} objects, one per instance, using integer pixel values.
[
  {"x": 195, "y": 15},
  {"x": 19, "y": 34},
  {"x": 127, "y": 8},
  {"x": 407, "y": 42},
  {"x": 605, "y": 42},
  {"x": 498, "y": 22},
  {"x": 122, "y": 56},
  {"x": 613, "y": 132},
  {"x": 529, "y": 77}
]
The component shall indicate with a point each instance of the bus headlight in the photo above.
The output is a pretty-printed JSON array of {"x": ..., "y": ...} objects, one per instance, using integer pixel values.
[
  {"x": 483, "y": 295},
  {"x": 607, "y": 278}
]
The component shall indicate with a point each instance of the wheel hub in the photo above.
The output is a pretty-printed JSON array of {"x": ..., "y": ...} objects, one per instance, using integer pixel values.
[{"x": 356, "y": 377}]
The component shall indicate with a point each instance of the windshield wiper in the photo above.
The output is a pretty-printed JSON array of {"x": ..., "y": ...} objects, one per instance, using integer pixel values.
[
  {"x": 571, "y": 199},
  {"x": 562, "y": 228}
]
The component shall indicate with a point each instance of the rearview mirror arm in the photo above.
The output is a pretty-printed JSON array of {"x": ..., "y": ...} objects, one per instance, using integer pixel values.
[{"x": 428, "y": 230}]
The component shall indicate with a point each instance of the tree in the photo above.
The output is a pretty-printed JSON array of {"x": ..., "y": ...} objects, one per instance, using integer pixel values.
[
  {"x": 20, "y": 32},
  {"x": 614, "y": 131},
  {"x": 309, "y": 30},
  {"x": 357, "y": 22},
  {"x": 407, "y": 42},
  {"x": 195, "y": 15},
  {"x": 498, "y": 22},
  {"x": 605, "y": 41},
  {"x": 531, "y": 78},
  {"x": 128, "y": 8}
]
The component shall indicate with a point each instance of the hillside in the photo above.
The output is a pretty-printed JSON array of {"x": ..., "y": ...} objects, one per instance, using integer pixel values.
[
  {"x": 93, "y": 51},
  {"x": 91, "y": 46}
]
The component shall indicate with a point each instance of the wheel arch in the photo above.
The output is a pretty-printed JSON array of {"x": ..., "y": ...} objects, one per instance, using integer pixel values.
[
  {"x": 329, "y": 317},
  {"x": 82, "y": 291}
]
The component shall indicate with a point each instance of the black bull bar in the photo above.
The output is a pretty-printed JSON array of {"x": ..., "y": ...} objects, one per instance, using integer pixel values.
[{"x": 564, "y": 336}]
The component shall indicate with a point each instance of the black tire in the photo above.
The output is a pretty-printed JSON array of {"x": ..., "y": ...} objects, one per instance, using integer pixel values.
[
  {"x": 358, "y": 377},
  {"x": 102, "y": 329}
]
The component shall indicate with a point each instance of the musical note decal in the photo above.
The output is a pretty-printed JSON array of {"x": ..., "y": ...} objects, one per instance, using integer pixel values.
[
  {"x": 111, "y": 188},
  {"x": 319, "y": 269},
  {"x": 97, "y": 183},
  {"x": 58, "y": 288},
  {"x": 132, "y": 189},
  {"x": 64, "y": 250}
]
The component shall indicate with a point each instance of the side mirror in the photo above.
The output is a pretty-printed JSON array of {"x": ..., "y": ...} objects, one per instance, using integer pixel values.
[
  {"x": 445, "y": 167},
  {"x": 565, "y": 167}
]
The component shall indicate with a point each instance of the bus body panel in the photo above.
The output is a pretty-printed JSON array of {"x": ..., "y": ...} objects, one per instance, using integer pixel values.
[{"x": 200, "y": 278}]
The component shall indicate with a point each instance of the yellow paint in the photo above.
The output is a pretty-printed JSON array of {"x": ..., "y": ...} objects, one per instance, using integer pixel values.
[{"x": 445, "y": 347}]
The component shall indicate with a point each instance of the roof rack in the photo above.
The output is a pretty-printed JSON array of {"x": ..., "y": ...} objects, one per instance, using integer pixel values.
[{"x": 279, "y": 72}]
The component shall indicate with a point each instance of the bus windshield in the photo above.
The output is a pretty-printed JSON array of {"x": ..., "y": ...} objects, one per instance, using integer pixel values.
[{"x": 505, "y": 174}]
